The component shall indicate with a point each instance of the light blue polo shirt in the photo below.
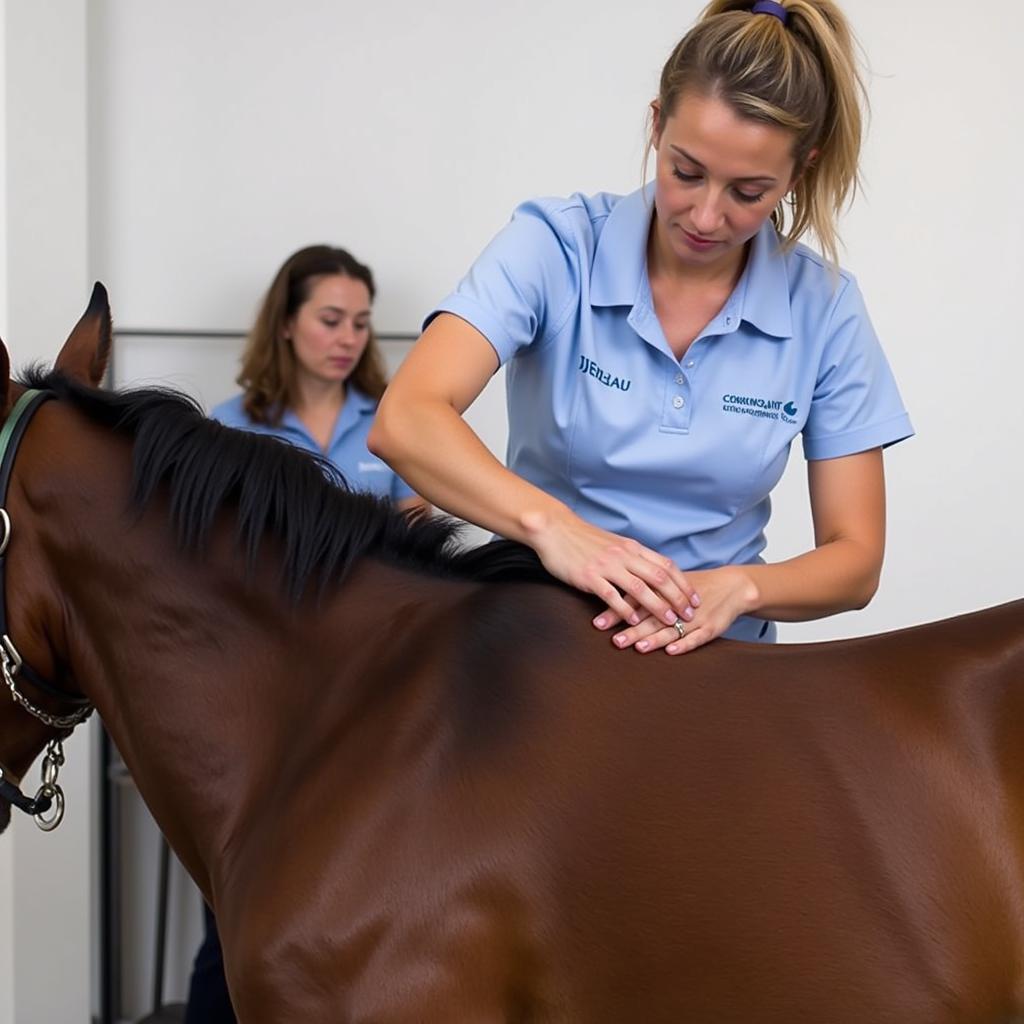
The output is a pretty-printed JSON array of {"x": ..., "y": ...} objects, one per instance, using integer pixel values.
[
  {"x": 681, "y": 455},
  {"x": 347, "y": 449}
]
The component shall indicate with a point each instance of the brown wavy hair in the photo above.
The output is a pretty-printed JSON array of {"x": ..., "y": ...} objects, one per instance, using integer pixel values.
[
  {"x": 802, "y": 76},
  {"x": 268, "y": 373}
]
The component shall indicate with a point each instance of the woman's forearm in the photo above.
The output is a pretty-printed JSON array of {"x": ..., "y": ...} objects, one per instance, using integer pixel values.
[
  {"x": 436, "y": 452},
  {"x": 838, "y": 576}
]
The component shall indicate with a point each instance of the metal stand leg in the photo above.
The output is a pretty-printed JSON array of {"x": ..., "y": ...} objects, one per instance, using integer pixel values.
[{"x": 110, "y": 889}]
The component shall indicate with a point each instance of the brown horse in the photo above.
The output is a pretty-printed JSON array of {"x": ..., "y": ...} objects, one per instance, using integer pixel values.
[{"x": 416, "y": 791}]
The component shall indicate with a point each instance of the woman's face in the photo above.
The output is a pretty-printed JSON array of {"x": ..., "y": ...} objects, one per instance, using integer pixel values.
[
  {"x": 330, "y": 330},
  {"x": 719, "y": 176}
]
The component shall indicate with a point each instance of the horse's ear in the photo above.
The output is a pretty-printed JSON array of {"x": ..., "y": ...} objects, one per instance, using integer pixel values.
[{"x": 86, "y": 353}]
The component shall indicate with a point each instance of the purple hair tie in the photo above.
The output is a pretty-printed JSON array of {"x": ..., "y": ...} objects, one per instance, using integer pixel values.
[{"x": 772, "y": 8}]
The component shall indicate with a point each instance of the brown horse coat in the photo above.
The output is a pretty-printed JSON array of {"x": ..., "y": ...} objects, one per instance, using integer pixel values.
[{"x": 435, "y": 799}]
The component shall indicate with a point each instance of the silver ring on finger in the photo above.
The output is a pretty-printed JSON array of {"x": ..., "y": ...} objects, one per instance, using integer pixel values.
[{"x": 680, "y": 628}]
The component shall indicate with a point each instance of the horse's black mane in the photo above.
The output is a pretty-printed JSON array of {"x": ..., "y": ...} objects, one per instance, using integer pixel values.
[{"x": 276, "y": 490}]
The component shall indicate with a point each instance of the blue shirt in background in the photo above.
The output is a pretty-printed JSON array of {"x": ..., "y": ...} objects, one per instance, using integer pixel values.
[
  {"x": 678, "y": 454},
  {"x": 347, "y": 450}
]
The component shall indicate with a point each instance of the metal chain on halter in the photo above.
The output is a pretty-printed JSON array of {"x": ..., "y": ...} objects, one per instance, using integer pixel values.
[{"x": 10, "y": 663}]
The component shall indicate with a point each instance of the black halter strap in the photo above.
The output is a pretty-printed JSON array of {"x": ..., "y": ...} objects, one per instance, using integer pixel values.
[
  {"x": 10, "y": 437},
  {"x": 38, "y": 804}
]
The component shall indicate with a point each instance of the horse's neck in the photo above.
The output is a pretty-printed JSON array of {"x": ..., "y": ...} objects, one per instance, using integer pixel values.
[
  {"x": 211, "y": 685},
  {"x": 179, "y": 657}
]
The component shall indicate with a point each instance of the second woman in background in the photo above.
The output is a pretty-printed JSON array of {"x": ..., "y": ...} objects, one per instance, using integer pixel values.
[{"x": 312, "y": 373}]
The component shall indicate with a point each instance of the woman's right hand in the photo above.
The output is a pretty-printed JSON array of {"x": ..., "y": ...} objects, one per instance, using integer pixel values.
[{"x": 602, "y": 563}]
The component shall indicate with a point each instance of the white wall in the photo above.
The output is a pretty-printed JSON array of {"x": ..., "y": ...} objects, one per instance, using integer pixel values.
[
  {"x": 45, "y": 926},
  {"x": 229, "y": 134},
  {"x": 936, "y": 245}
]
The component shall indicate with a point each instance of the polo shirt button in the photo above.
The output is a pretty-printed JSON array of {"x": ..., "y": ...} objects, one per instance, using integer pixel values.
[
  {"x": 690, "y": 364},
  {"x": 680, "y": 379},
  {"x": 678, "y": 402},
  {"x": 728, "y": 321}
]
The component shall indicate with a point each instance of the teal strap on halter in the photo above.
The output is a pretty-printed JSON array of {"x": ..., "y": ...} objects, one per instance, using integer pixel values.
[{"x": 12, "y": 420}]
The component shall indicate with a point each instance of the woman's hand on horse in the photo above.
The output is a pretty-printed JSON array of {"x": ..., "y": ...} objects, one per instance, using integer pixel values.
[
  {"x": 613, "y": 567},
  {"x": 726, "y": 593}
]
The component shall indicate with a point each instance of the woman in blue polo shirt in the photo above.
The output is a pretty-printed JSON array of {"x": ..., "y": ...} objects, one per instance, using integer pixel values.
[
  {"x": 311, "y": 371},
  {"x": 665, "y": 348}
]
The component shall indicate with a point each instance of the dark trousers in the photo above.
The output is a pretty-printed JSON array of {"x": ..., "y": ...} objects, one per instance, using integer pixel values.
[{"x": 208, "y": 1000}]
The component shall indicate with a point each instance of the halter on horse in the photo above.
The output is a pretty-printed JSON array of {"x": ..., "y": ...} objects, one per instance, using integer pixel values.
[
  {"x": 47, "y": 807},
  {"x": 429, "y": 796}
]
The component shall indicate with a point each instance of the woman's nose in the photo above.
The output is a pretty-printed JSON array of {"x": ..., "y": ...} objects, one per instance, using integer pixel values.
[{"x": 707, "y": 214}]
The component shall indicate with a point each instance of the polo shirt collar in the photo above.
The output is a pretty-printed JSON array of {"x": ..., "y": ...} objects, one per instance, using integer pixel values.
[
  {"x": 359, "y": 400},
  {"x": 357, "y": 405},
  {"x": 620, "y": 267},
  {"x": 763, "y": 290},
  {"x": 620, "y": 260}
]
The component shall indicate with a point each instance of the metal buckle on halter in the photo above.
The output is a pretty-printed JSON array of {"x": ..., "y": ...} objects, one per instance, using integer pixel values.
[
  {"x": 5, "y": 521},
  {"x": 9, "y": 653}
]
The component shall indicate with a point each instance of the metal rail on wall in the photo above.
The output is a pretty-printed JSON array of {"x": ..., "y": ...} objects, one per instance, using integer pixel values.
[{"x": 190, "y": 333}]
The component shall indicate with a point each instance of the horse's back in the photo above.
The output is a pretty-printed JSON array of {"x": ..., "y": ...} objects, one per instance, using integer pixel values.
[
  {"x": 554, "y": 830},
  {"x": 793, "y": 832}
]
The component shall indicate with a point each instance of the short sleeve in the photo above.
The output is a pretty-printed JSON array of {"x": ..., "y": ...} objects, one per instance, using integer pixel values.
[
  {"x": 856, "y": 405},
  {"x": 523, "y": 284}
]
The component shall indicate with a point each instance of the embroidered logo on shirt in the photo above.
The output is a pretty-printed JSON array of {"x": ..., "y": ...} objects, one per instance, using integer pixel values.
[
  {"x": 371, "y": 467},
  {"x": 762, "y": 408},
  {"x": 589, "y": 367}
]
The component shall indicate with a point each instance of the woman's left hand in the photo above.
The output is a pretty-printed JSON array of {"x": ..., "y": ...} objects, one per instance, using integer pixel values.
[{"x": 725, "y": 593}]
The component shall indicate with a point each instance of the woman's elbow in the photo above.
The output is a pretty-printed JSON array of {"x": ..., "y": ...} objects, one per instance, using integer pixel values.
[
  {"x": 382, "y": 439},
  {"x": 865, "y": 595},
  {"x": 866, "y": 588}
]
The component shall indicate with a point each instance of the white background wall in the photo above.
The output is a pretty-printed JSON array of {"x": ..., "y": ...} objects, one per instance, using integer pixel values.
[{"x": 224, "y": 135}]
